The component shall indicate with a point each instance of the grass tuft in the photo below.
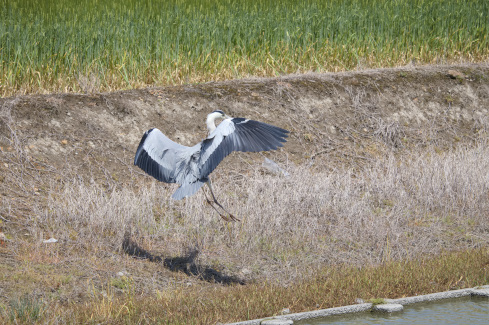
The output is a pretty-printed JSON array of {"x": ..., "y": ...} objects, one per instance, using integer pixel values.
[{"x": 25, "y": 310}]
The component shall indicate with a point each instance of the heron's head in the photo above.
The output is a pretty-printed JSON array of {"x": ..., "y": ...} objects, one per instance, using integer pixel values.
[
  {"x": 211, "y": 126},
  {"x": 216, "y": 115}
]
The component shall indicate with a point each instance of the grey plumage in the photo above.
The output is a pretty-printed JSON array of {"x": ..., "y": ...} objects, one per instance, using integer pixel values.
[{"x": 190, "y": 167}]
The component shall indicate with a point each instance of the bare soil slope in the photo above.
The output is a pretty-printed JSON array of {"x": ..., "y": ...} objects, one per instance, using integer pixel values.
[{"x": 402, "y": 108}]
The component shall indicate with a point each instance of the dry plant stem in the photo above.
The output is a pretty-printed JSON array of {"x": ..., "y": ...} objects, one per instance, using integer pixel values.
[{"x": 225, "y": 217}]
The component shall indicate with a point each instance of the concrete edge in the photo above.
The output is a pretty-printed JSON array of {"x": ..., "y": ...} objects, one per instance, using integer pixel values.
[
  {"x": 368, "y": 306},
  {"x": 388, "y": 308}
]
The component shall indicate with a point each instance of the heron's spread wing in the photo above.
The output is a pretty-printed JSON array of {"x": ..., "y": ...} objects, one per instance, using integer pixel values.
[
  {"x": 158, "y": 156},
  {"x": 171, "y": 162},
  {"x": 238, "y": 134}
]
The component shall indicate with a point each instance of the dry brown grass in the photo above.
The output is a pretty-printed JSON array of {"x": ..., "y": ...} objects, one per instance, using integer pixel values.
[
  {"x": 350, "y": 232},
  {"x": 392, "y": 209}
]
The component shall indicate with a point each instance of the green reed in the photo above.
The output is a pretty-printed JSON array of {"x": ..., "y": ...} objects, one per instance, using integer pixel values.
[{"x": 49, "y": 45}]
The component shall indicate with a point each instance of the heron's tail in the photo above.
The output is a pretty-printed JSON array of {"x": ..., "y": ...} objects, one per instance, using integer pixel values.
[{"x": 187, "y": 190}]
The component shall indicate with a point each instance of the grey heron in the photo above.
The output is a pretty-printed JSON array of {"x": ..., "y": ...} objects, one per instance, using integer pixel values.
[{"x": 170, "y": 162}]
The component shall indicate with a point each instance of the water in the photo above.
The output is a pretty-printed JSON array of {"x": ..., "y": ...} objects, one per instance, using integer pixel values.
[{"x": 467, "y": 310}]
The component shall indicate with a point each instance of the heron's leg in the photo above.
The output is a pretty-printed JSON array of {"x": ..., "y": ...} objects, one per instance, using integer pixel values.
[
  {"x": 214, "y": 201},
  {"x": 231, "y": 217},
  {"x": 212, "y": 205}
]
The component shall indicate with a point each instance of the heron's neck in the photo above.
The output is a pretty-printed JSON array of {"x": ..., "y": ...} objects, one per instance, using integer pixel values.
[{"x": 211, "y": 126}]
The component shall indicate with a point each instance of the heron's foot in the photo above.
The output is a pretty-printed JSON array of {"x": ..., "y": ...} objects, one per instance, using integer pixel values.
[{"x": 229, "y": 217}]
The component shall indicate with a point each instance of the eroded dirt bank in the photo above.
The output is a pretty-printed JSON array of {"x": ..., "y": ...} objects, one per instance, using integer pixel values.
[
  {"x": 400, "y": 108},
  {"x": 336, "y": 120}
]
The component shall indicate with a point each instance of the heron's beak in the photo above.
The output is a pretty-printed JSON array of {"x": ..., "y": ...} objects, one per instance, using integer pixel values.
[{"x": 227, "y": 116}]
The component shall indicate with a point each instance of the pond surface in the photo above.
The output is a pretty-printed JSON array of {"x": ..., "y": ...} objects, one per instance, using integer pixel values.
[{"x": 466, "y": 310}]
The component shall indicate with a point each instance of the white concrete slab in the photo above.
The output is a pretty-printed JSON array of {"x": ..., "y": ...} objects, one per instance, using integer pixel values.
[
  {"x": 388, "y": 308},
  {"x": 482, "y": 291}
]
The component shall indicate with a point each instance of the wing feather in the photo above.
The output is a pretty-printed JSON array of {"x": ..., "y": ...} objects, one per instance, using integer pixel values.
[
  {"x": 158, "y": 156},
  {"x": 238, "y": 134},
  {"x": 170, "y": 162}
]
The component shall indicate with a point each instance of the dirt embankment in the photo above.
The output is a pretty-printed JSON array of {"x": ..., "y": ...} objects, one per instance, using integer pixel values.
[
  {"x": 400, "y": 108},
  {"x": 336, "y": 117},
  {"x": 336, "y": 120}
]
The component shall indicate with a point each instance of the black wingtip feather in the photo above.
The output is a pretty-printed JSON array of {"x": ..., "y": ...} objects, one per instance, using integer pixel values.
[
  {"x": 144, "y": 161},
  {"x": 140, "y": 146}
]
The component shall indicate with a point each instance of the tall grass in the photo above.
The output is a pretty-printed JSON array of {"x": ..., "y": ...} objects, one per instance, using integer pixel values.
[
  {"x": 391, "y": 210},
  {"x": 52, "y": 45}
]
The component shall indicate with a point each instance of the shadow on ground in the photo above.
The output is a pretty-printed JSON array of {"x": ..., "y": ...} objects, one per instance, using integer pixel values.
[{"x": 185, "y": 263}]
